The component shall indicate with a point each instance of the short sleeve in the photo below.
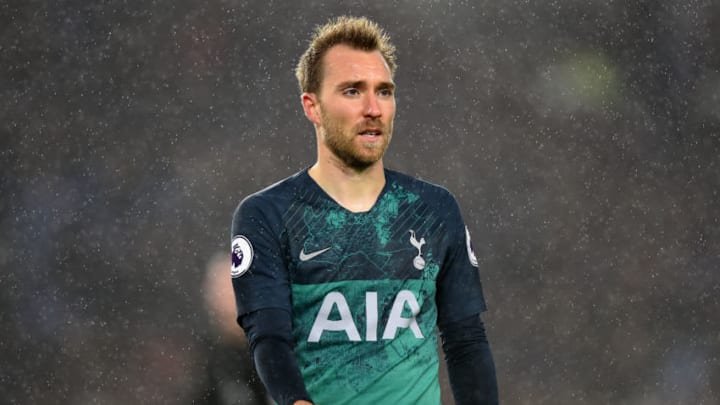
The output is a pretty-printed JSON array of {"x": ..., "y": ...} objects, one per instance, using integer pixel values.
[
  {"x": 259, "y": 274},
  {"x": 459, "y": 289}
]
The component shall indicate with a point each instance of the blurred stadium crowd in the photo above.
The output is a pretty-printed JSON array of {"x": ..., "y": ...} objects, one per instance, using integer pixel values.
[{"x": 580, "y": 137}]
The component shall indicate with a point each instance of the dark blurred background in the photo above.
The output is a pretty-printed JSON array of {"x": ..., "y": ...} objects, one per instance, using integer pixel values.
[{"x": 581, "y": 139}]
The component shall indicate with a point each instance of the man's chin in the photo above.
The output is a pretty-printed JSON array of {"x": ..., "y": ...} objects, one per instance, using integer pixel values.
[{"x": 360, "y": 163}]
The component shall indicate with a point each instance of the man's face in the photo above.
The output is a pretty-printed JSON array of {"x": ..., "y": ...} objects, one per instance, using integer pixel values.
[{"x": 356, "y": 104}]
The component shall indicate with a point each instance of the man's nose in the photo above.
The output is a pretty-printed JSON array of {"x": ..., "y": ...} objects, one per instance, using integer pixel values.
[{"x": 372, "y": 107}]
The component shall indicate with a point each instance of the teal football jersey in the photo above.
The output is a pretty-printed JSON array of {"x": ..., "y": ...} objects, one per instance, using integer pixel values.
[{"x": 365, "y": 290}]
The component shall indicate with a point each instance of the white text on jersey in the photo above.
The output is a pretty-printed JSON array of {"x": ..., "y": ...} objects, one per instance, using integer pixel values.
[{"x": 345, "y": 323}]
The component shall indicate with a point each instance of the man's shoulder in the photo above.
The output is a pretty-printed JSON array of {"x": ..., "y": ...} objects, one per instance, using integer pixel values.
[
  {"x": 422, "y": 187},
  {"x": 287, "y": 185},
  {"x": 275, "y": 195}
]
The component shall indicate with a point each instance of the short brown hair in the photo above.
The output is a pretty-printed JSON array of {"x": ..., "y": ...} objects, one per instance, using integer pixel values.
[{"x": 357, "y": 32}]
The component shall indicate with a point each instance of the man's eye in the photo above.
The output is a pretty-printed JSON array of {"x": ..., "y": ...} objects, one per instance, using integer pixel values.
[
  {"x": 386, "y": 92},
  {"x": 351, "y": 92}
]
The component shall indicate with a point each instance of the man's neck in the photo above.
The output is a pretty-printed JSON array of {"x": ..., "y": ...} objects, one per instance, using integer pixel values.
[{"x": 354, "y": 190}]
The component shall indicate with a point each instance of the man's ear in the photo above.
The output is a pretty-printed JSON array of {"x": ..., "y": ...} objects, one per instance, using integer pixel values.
[{"x": 310, "y": 107}]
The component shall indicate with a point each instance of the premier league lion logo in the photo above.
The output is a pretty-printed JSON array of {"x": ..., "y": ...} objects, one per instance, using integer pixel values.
[
  {"x": 237, "y": 255},
  {"x": 242, "y": 256}
]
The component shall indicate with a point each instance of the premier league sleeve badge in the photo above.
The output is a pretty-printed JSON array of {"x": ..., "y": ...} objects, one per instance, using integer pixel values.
[{"x": 242, "y": 256}]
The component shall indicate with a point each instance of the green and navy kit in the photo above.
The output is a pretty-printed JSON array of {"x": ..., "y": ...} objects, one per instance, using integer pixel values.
[{"x": 365, "y": 290}]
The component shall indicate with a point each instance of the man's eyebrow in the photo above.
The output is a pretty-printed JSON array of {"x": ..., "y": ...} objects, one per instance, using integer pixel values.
[
  {"x": 362, "y": 84},
  {"x": 387, "y": 85},
  {"x": 350, "y": 83}
]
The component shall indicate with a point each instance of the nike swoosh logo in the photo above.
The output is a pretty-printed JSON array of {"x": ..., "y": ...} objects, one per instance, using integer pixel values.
[{"x": 307, "y": 256}]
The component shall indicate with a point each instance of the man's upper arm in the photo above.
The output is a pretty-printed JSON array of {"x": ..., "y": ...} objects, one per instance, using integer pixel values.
[
  {"x": 459, "y": 290},
  {"x": 259, "y": 275}
]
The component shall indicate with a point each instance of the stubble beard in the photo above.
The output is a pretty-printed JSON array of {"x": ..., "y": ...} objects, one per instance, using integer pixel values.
[{"x": 343, "y": 144}]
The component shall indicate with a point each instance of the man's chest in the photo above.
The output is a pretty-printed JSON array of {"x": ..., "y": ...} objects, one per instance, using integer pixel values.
[{"x": 346, "y": 246}]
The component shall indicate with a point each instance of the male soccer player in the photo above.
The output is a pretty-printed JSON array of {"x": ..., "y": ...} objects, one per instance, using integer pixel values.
[{"x": 343, "y": 271}]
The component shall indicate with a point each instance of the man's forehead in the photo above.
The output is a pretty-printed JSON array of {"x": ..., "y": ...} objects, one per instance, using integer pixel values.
[{"x": 349, "y": 63}]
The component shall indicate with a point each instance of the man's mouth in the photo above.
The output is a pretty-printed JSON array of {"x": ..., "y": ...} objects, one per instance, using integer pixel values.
[{"x": 371, "y": 132}]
